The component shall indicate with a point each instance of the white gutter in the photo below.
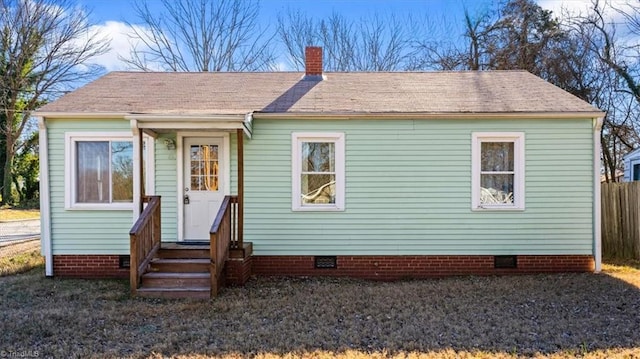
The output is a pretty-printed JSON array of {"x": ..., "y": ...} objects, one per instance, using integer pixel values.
[
  {"x": 45, "y": 198},
  {"x": 81, "y": 115},
  {"x": 320, "y": 115},
  {"x": 184, "y": 118},
  {"x": 429, "y": 115},
  {"x": 597, "y": 216}
]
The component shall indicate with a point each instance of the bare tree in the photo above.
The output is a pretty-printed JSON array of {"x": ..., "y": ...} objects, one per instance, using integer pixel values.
[
  {"x": 200, "y": 35},
  {"x": 468, "y": 54},
  {"x": 45, "y": 48},
  {"x": 620, "y": 97},
  {"x": 375, "y": 43}
]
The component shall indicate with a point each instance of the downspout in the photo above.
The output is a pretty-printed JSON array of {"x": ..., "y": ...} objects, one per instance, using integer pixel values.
[
  {"x": 45, "y": 199},
  {"x": 597, "y": 216}
]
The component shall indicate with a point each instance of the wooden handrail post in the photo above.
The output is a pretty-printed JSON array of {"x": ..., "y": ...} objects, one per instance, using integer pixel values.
[
  {"x": 133, "y": 267},
  {"x": 144, "y": 241},
  {"x": 220, "y": 241}
]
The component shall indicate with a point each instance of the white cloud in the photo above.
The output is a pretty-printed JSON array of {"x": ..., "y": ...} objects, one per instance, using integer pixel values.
[
  {"x": 563, "y": 8},
  {"x": 121, "y": 42}
]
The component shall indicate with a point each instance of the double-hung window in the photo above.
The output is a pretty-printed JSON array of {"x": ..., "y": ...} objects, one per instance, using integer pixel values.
[
  {"x": 318, "y": 172},
  {"x": 99, "y": 171},
  {"x": 497, "y": 171}
]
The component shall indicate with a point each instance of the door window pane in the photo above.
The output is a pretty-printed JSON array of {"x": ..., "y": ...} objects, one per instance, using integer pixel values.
[{"x": 204, "y": 167}]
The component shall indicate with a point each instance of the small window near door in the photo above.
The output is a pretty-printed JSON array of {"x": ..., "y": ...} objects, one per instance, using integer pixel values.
[
  {"x": 204, "y": 168},
  {"x": 99, "y": 173},
  {"x": 635, "y": 175}
]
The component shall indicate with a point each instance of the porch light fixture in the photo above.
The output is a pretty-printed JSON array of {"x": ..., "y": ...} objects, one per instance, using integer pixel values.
[{"x": 170, "y": 143}]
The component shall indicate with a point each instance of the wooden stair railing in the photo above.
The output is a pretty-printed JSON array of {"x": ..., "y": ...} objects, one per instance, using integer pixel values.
[
  {"x": 223, "y": 235},
  {"x": 144, "y": 241}
]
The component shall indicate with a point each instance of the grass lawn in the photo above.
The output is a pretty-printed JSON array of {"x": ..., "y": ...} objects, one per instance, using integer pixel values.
[
  {"x": 558, "y": 316},
  {"x": 21, "y": 257},
  {"x": 10, "y": 214}
]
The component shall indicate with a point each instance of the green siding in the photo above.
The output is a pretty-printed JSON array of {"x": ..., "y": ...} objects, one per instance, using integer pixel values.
[
  {"x": 106, "y": 232},
  {"x": 408, "y": 191},
  {"x": 77, "y": 231},
  {"x": 166, "y": 187}
]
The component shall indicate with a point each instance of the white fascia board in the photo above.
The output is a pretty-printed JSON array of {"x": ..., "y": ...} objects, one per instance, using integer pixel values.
[
  {"x": 430, "y": 115},
  {"x": 80, "y": 115},
  {"x": 190, "y": 125},
  {"x": 185, "y": 118}
]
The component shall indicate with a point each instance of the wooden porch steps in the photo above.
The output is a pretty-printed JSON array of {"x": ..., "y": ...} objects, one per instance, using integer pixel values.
[
  {"x": 180, "y": 265},
  {"x": 178, "y": 272}
]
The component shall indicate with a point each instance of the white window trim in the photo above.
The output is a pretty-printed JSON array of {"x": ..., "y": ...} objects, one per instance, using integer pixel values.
[
  {"x": 70, "y": 179},
  {"x": 297, "y": 138},
  {"x": 519, "y": 170},
  {"x": 632, "y": 163}
]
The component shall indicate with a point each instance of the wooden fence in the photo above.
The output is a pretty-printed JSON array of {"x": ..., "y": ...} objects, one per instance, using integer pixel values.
[{"x": 621, "y": 220}]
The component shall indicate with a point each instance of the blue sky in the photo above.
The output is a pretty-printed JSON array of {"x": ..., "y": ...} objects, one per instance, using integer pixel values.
[{"x": 110, "y": 16}]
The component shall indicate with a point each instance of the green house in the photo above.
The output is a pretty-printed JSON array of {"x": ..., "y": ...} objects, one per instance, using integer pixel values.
[{"x": 184, "y": 181}]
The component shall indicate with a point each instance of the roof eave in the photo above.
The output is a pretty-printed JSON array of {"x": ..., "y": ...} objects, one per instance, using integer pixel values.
[
  {"x": 80, "y": 115},
  {"x": 429, "y": 115},
  {"x": 139, "y": 117}
]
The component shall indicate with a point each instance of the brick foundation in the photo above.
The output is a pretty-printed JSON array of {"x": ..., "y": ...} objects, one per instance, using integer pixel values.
[
  {"x": 238, "y": 271},
  {"x": 88, "y": 266},
  {"x": 399, "y": 267}
]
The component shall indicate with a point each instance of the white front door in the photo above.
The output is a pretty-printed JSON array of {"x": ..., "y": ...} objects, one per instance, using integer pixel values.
[{"x": 203, "y": 190}]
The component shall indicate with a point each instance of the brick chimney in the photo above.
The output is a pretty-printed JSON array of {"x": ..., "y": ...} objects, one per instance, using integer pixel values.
[{"x": 313, "y": 62}]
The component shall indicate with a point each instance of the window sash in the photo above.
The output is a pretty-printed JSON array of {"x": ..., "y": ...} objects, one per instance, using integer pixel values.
[
  {"x": 508, "y": 195},
  {"x": 329, "y": 169},
  {"x": 116, "y": 177},
  {"x": 104, "y": 171}
]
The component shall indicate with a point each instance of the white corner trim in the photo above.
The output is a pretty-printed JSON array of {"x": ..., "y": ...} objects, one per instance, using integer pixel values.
[
  {"x": 226, "y": 157},
  {"x": 137, "y": 163},
  {"x": 180, "y": 181},
  {"x": 338, "y": 138},
  {"x": 45, "y": 198},
  {"x": 597, "y": 217},
  {"x": 518, "y": 138}
]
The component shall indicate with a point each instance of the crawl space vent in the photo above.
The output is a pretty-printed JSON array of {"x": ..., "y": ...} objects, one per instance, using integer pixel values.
[
  {"x": 324, "y": 262},
  {"x": 505, "y": 262},
  {"x": 124, "y": 262}
]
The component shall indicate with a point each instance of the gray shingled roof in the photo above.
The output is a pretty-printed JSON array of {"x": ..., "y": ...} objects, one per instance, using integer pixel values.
[{"x": 286, "y": 92}]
